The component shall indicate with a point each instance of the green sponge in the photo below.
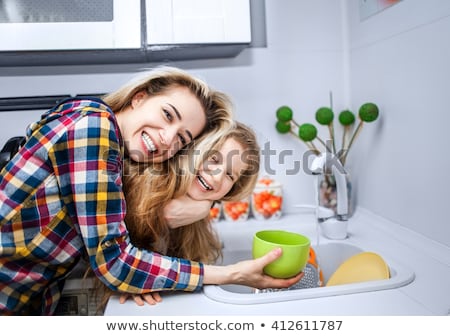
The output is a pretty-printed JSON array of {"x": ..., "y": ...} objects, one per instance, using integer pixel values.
[
  {"x": 283, "y": 127},
  {"x": 307, "y": 132},
  {"x": 324, "y": 115},
  {"x": 284, "y": 113},
  {"x": 368, "y": 112},
  {"x": 346, "y": 118}
]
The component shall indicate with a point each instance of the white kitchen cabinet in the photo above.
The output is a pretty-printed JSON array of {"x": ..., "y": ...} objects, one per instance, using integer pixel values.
[
  {"x": 44, "y": 25},
  {"x": 179, "y": 22},
  {"x": 168, "y": 30}
]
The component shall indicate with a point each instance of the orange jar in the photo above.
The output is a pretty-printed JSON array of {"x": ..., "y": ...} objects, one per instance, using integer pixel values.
[
  {"x": 236, "y": 211},
  {"x": 267, "y": 199},
  {"x": 215, "y": 212}
]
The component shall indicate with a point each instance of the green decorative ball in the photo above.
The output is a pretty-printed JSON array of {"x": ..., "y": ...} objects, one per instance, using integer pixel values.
[
  {"x": 324, "y": 115},
  {"x": 283, "y": 127},
  {"x": 284, "y": 113},
  {"x": 346, "y": 117},
  {"x": 307, "y": 132},
  {"x": 368, "y": 112}
]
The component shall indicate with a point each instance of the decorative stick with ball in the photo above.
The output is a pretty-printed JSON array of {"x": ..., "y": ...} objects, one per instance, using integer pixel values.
[
  {"x": 347, "y": 119},
  {"x": 308, "y": 133},
  {"x": 325, "y": 116},
  {"x": 368, "y": 112}
]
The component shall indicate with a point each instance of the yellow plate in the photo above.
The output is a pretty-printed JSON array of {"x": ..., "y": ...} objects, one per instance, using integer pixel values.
[{"x": 364, "y": 266}]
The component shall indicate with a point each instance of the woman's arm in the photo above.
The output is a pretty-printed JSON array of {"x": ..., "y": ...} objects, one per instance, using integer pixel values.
[
  {"x": 184, "y": 211},
  {"x": 248, "y": 272}
]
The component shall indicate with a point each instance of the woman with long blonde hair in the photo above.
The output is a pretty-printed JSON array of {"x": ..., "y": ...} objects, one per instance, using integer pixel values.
[{"x": 61, "y": 198}]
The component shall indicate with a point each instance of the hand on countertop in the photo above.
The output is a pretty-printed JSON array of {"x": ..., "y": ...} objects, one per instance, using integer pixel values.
[{"x": 150, "y": 298}]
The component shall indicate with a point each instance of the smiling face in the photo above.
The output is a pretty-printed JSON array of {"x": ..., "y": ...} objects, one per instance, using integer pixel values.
[
  {"x": 219, "y": 172},
  {"x": 155, "y": 127}
]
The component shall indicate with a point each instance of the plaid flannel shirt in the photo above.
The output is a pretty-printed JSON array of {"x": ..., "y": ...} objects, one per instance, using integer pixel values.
[{"x": 61, "y": 200}]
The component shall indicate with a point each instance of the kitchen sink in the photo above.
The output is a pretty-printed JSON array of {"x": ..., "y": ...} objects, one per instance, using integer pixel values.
[{"x": 330, "y": 256}]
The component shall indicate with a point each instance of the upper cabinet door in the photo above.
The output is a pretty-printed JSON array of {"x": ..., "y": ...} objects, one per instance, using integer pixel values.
[
  {"x": 36, "y": 25},
  {"x": 197, "y": 21}
]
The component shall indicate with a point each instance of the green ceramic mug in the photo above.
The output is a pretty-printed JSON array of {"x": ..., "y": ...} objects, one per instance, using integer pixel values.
[{"x": 295, "y": 251}]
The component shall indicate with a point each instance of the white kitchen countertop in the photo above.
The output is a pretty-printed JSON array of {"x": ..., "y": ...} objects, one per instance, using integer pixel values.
[{"x": 427, "y": 294}]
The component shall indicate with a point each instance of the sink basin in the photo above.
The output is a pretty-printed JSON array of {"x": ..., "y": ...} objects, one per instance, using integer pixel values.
[{"x": 330, "y": 256}]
